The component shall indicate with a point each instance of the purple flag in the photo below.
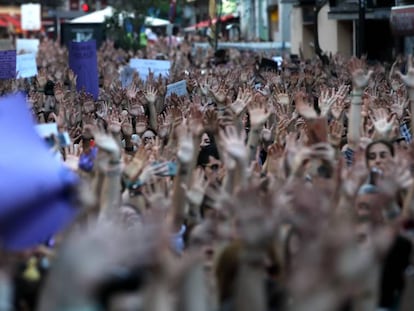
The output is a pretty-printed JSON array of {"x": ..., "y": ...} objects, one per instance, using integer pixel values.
[
  {"x": 36, "y": 199},
  {"x": 8, "y": 64},
  {"x": 84, "y": 63}
]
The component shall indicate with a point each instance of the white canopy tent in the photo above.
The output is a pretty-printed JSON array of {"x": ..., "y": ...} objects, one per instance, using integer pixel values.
[
  {"x": 94, "y": 17},
  {"x": 101, "y": 15}
]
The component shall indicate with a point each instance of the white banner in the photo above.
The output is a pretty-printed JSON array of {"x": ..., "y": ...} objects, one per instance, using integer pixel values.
[
  {"x": 26, "y": 66},
  {"x": 179, "y": 88},
  {"x": 143, "y": 66},
  {"x": 25, "y": 46},
  {"x": 31, "y": 16}
]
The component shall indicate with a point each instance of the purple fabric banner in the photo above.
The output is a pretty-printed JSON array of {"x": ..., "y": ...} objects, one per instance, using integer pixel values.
[
  {"x": 36, "y": 199},
  {"x": 84, "y": 63},
  {"x": 8, "y": 64}
]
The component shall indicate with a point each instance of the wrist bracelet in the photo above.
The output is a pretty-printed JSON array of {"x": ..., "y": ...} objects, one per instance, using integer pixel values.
[
  {"x": 356, "y": 94},
  {"x": 183, "y": 171},
  {"x": 114, "y": 162},
  {"x": 113, "y": 170}
]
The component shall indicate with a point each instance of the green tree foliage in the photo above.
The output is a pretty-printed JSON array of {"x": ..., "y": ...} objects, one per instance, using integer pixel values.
[
  {"x": 139, "y": 9},
  {"x": 140, "y": 6}
]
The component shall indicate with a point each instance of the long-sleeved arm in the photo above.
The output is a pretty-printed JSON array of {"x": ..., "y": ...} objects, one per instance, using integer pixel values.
[{"x": 355, "y": 119}]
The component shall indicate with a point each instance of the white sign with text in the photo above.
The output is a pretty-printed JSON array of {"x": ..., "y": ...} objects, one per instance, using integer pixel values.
[
  {"x": 143, "y": 66},
  {"x": 25, "y": 46},
  {"x": 26, "y": 66},
  {"x": 31, "y": 16},
  {"x": 179, "y": 88}
]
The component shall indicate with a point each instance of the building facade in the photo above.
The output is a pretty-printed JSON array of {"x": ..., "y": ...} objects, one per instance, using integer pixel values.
[
  {"x": 265, "y": 20},
  {"x": 338, "y": 28}
]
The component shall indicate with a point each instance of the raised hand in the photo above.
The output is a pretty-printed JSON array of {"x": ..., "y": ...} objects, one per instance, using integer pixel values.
[
  {"x": 335, "y": 132},
  {"x": 72, "y": 78},
  {"x": 343, "y": 91},
  {"x": 244, "y": 97},
  {"x": 326, "y": 99},
  {"x": 185, "y": 144},
  {"x": 117, "y": 95},
  {"x": 199, "y": 184},
  {"x": 303, "y": 107},
  {"x": 88, "y": 105},
  {"x": 408, "y": 78},
  {"x": 281, "y": 96},
  {"x": 131, "y": 91},
  {"x": 59, "y": 92},
  {"x": 233, "y": 142},
  {"x": 135, "y": 166},
  {"x": 267, "y": 134},
  {"x": 157, "y": 193},
  {"x": 211, "y": 121},
  {"x": 107, "y": 143},
  {"x": 399, "y": 106},
  {"x": 352, "y": 178},
  {"x": 61, "y": 120},
  {"x": 164, "y": 125},
  {"x": 127, "y": 128},
  {"x": 72, "y": 154},
  {"x": 398, "y": 172},
  {"x": 102, "y": 110},
  {"x": 151, "y": 171},
  {"x": 219, "y": 93},
  {"x": 274, "y": 155},
  {"x": 151, "y": 94},
  {"x": 258, "y": 111},
  {"x": 135, "y": 107},
  {"x": 115, "y": 122},
  {"x": 141, "y": 124},
  {"x": 383, "y": 121},
  {"x": 360, "y": 78},
  {"x": 338, "y": 108},
  {"x": 177, "y": 115},
  {"x": 195, "y": 121},
  {"x": 41, "y": 78}
]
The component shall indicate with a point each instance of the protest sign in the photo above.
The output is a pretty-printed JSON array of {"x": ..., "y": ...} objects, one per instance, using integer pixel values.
[
  {"x": 143, "y": 66},
  {"x": 84, "y": 63},
  {"x": 26, "y": 66},
  {"x": 8, "y": 64},
  {"x": 126, "y": 76},
  {"x": 82, "y": 33},
  {"x": 31, "y": 16},
  {"x": 179, "y": 88},
  {"x": 25, "y": 46},
  {"x": 278, "y": 60},
  {"x": 33, "y": 193}
]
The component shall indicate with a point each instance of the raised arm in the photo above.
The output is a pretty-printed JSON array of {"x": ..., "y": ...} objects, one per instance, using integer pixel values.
[{"x": 360, "y": 80}]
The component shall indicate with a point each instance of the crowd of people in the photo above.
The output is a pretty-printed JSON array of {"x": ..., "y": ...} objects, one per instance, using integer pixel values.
[{"x": 281, "y": 189}]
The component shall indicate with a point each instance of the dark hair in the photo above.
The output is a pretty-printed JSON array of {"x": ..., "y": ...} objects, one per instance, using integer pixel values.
[
  {"x": 205, "y": 153},
  {"x": 385, "y": 142}
]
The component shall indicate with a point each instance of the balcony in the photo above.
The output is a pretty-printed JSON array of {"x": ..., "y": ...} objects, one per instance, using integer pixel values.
[{"x": 348, "y": 9}]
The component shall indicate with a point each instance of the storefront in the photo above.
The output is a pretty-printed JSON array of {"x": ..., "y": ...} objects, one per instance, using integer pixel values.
[{"x": 402, "y": 26}]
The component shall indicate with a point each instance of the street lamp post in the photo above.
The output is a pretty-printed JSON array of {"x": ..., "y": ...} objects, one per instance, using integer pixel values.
[
  {"x": 217, "y": 28},
  {"x": 361, "y": 28}
]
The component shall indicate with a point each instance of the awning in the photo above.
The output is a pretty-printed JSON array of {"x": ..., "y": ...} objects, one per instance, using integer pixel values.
[
  {"x": 98, "y": 17},
  {"x": 402, "y": 20},
  {"x": 208, "y": 23},
  {"x": 13, "y": 21}
]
